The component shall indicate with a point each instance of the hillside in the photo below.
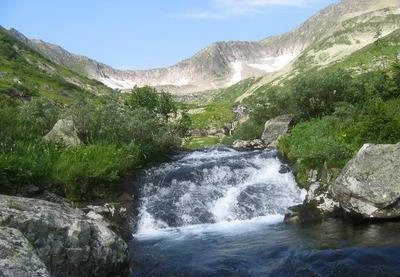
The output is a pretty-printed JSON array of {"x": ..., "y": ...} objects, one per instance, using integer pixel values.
[
  {"x": 331, "y": 34},
  {"x": 25, "y": 72}
]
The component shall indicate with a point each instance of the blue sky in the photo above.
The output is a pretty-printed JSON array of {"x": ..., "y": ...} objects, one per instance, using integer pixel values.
[{"x": 140, "y": 34}]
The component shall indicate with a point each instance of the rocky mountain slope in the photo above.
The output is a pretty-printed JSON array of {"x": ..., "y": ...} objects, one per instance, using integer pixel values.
[
  {"x": 24, "y": 72},
  {"x": 331, "y": 34}
]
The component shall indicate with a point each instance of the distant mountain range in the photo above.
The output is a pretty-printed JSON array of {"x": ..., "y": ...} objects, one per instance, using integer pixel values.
[{"x": 328, "y": 36}]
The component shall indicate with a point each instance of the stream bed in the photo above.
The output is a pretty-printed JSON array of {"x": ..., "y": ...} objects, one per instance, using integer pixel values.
[{"x": 219, "y": 212}]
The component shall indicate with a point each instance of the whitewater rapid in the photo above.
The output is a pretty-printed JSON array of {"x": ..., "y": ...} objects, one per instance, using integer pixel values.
[{"x": 215, "y": 190}]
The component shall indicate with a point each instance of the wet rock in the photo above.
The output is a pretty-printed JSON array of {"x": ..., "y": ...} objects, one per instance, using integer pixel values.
[
  {"x": 312, "y": 176},
  {"x": 317, "y": 206},
  {"x": 275, "y": 128},
  {"x": 66, "y": 241},
  {"x": 284, "y": 169},
  {"x": 369, "y": 186},
  {"x": 64, "y": 132},
  {"x": 248, "y": 144},
  {"x": 17, "y": 256}
]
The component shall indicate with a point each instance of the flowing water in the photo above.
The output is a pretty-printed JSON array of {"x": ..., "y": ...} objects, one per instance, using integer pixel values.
[{"x": 219, "y": 212}]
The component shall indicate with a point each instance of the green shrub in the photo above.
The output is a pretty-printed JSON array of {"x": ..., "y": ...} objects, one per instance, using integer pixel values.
[
  {"x": 313, "y": 144},
  {"x": 156, "y": 102}
]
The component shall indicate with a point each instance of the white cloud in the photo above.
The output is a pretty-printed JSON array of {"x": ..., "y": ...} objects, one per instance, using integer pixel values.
[{"x": 221, "y": 9}]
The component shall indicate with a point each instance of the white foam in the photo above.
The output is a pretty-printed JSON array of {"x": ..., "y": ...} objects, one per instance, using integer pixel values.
[
  {"x": 222, "y": 208},
  {"x": 147, "y": 224},
  {"x": 235, "y": 192},
  {"x": 210, "y": 154},
  {"x": 224, "y": 227}
]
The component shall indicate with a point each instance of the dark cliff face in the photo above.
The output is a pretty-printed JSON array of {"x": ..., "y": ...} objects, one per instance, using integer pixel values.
[{"x": 222, "y": 63}]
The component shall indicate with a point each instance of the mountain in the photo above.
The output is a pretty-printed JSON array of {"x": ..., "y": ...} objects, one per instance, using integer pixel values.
[
  {"x": 330, "y": 35},
  {"x": 25, "y": 72}
]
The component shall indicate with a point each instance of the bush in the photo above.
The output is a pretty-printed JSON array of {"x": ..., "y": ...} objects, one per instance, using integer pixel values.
[
  {"x": 313, "y": 144},
  {"x": 157, "y": 102}
]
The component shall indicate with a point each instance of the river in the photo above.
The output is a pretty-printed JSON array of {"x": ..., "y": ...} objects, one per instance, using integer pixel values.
[{"x": 219, "y": 212}]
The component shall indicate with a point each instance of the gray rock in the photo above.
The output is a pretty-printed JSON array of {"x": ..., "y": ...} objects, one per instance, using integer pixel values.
[
  {"x": 275, "y": 128},
  {"x": 317, "y": 206},
  {"x": 248, "y": 144},
  {"x": 17, "y": 256},
  {"x": 312, "y": 176},
  {"x": 369, "y": 186},
  {"x": 68, "y": 242},
  {"x": 64, "y": 132},
  {"x": 283, "y": 169}
]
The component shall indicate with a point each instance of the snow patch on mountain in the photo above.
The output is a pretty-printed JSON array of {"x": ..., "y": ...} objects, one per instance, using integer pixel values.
[
  {"x": 116, "y": 83},
  {"x": 272, "y": 64},
  {"x": 237, "y": 73}
]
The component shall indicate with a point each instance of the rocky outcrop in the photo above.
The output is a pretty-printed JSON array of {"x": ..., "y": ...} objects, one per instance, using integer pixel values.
[
  {"x": 66, "y": 241},
  {"x": 369, "y": 185},
  {"x": 64, "y": 132},
  {"x": 275, "y": 128},
  {"x": 17, "y": 256}
]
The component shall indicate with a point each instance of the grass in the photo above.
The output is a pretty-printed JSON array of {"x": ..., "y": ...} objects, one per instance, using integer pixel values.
[
  {"x": 30, "y": 73},
  {"x": 371, "y": 57},
  {"x": 219, "y": 110},
  {"x": 92, "y": 168},
  {"x": 202, "y": 142}
]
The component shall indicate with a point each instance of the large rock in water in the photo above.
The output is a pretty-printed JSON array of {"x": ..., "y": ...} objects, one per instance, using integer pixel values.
[
  {"x": 65, "y": 240},
  {"x": 64, "y": 132},
  {"x": 369, "y": 185},
  {"x": 275, "y": 128}
]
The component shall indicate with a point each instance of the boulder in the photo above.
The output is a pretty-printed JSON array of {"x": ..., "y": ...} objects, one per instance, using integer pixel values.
[
  {"x": 67, "y": 241},
  {"x": 17, "y": 256},
  {"x": 64, "y": 132},
  {"x": 369, "y": 185},
  {"x": 275, "y": 128}
]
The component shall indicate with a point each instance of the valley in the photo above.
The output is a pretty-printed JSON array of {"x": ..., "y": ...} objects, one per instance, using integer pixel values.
[{"x": 274, "y": 157}]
